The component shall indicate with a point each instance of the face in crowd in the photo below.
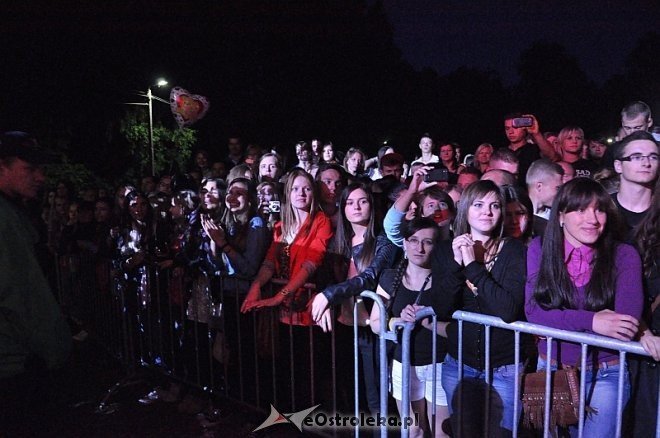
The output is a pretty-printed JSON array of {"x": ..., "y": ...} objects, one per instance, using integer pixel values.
[
  {"x": 237, "y": 197},
  {"x": 638, "y": 123},
  {"x": 516, "y": 219},
  {"x": 639, "y": 162},
  {"x": 331, "y": 186},
  {"x": 483, "y": 154},
  {"x": 269, "y": 169},
  {"x": 354, "y": 163},
  {"x": 202, "y": 160},
  {"x": 484, "y": 215},
  {"x": 426, "y": 145},
  {"x": 138, "y": 208},
  {"x": 446, "y": 153},
  {"x": 419, "y": 246},
  {"x": 358, "y": 207},
  {"x": 328, "y": 153},
  {"x": 210, "y": 194},
  {"x": 513, "y": 134},
  {"x": 572, "y": 143},
  {"x": 302, "y": 194}
]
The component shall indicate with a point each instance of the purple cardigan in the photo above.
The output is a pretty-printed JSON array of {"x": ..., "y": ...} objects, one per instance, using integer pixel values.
[{"x": 628, "y": 300}]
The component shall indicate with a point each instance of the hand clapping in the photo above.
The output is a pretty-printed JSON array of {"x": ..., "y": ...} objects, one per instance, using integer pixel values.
[{"x": 215, "y": 232}]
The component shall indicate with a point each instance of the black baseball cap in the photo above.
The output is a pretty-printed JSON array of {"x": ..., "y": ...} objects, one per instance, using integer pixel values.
[{"x": 22, "y": 145}]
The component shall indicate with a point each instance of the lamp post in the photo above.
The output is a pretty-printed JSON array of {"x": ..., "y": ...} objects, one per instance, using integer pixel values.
[{"x": 150, "y": 98}]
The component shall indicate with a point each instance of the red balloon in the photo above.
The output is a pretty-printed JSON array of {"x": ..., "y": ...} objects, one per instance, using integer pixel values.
[{"x": 187, "y": 108}]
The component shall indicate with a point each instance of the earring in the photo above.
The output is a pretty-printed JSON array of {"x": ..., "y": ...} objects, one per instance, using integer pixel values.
[
  {"x": 561, "y": 225},
  {"x": 405, "y": 255}
]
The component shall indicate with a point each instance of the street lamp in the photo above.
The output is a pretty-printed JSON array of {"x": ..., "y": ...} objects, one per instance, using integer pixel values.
[{"x": 150, "y": 98}]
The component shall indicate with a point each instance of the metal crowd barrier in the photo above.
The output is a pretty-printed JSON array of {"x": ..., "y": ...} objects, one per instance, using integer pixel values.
[
  {"x": 150, "y": 326},
  {"x": 154, "y": 331},
  {"x": 584, "y": 339},
  {"x": 384, "y": 335}
]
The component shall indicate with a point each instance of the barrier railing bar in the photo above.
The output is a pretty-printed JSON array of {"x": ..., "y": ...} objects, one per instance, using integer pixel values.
[
  {"x": 356, "y": 368},
  {"x": 516, "y": 382},
  {"x": 383, "y": 337},
  {"x": 434, "y": 353},
  {"x": 564, "y": 335},
  {"x": 548, "y": 391},
  {"x": 488, "y": 380},
  {"x": 619, "y": 394},
  {"x": 405, "y": 365},
  {"x": 583, "y": 386}
]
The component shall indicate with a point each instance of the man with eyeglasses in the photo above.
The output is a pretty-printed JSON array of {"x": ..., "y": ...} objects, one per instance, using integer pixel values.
[{"x": 636, "y": 162}]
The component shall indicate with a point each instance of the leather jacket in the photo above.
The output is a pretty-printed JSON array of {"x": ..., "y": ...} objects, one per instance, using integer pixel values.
[{"x": 386, "y": 256}]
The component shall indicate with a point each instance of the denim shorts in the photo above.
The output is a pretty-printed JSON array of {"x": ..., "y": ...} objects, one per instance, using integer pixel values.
[{"x": 421, "y": 383}]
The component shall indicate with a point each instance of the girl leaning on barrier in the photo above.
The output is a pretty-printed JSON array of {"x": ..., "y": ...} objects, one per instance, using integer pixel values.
[
  {"x": 480, "y": 271},
  {"x": 239, "y": 241},
  {"x": 134, "y": 244},
  {"x": 298, "y": 247},
  {"x": 580, "y": 278},
  {"x": 364, "y": 253},
  {"x": 202, "y": 294},
  {"x": 645, "y": 371},
  {"x": 409, "y": 288}
]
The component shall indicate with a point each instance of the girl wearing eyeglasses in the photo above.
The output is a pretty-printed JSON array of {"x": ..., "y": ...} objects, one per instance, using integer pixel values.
[{"x": 408, "y": 289}]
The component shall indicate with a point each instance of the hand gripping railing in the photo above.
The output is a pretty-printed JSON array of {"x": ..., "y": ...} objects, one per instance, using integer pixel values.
[{"x": 584, "y": 339}]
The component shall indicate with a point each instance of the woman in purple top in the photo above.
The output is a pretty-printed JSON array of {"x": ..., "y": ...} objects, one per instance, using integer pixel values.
[{"x": 581, "y": 278}]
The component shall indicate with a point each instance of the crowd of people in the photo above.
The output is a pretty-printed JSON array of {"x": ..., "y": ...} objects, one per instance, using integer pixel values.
[{"x": 554, "y": 229}]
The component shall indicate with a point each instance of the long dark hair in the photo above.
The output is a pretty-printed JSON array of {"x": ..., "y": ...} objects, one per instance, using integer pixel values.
[
  {"x": 647, "y": 234},
  {"x": 514, "y": 194},
  {"x": 554, "y": 288},
  {"x": 236, "y": 226},
  {"x": 345, "y": 234}
]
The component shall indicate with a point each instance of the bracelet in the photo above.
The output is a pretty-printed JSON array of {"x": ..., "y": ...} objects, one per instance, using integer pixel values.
[{"x": 285, "y": 292}]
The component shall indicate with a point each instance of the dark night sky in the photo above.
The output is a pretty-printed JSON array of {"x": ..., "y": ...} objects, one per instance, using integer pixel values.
[
  {"x": 491, "y": 34},
  {"x": 281, "y": 71}
]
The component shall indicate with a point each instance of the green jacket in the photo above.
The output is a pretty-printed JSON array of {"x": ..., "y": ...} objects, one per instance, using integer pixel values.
[{"x": 31, "y": 323}]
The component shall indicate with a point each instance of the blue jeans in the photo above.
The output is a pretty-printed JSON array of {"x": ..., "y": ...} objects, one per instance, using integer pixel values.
[
  {"x": 601, "y": 386},
  {"x": 473, "y": 400}
]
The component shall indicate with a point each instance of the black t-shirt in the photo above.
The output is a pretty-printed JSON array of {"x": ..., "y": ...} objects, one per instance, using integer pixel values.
[
  {"x": 631, "y": 218},
  {"x": 421, "y": 352},
  {"x": 585, "y": 168}
]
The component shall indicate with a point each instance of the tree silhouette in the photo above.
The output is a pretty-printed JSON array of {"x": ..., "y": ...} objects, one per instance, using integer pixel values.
[{"x": 554, "y": 87}]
